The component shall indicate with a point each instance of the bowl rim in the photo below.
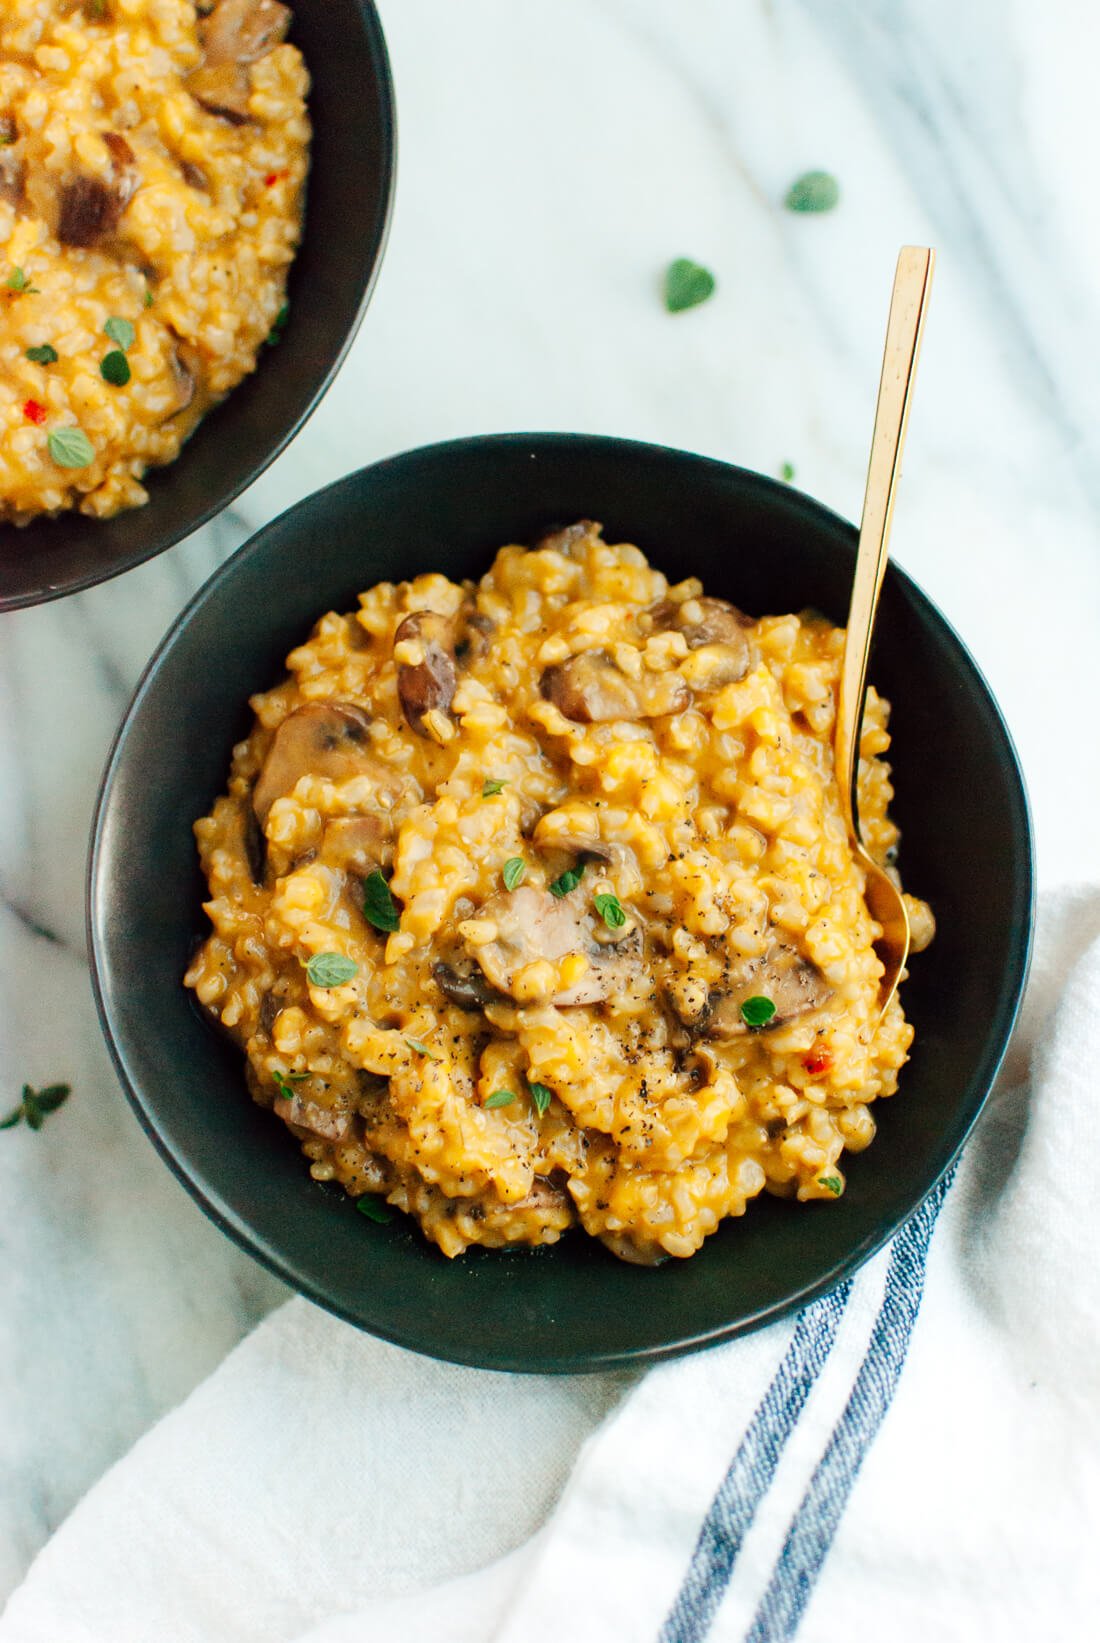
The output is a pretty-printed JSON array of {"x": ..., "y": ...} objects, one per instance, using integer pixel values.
[
  {"x": 387, "y": 134},
  {"x": 277, "y": 1261}
]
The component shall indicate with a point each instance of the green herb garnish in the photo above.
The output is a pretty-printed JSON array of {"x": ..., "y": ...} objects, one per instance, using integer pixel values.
[
  {"x": 568, "y": 880},
  {"x": 421, "y": 1048},
  {"x": 18, "y": 281},
  {"x": 373, "y": 1209},
  {"x": 786, "y": 472},
  {"x": 275, "y": 335},
  {"x": 687, "y": 284},
  {"x": 757, "y": 1012},
  {"x": 492, "y": 788},
  {"x": 120, "y": 331},
  {"x": 379, "y": 907},
  {"x": 610, "y": 909},
  {"x": 71, "y": 448},
  {"x": 330, "y": 969},
  {"x": 541, "y": 1095},
  {"x": 42, "y": 356},
  {"x": 34, "y": 1106},
  {"x": 514, "y": 869},
  {"x": 500, "y": 1098},
  {"x": 834, "y": 1184},
  {"x": 115, "y": 368},
  {"x": 148, "y": 298},
  {"x": 813, "y": 191},
  {"x": 284, "y": 1083}
]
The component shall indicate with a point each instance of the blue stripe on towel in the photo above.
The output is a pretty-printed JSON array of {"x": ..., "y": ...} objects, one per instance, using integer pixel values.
[
  {"x": 752, "y": 1469},
  {"x": 815, "y": 1523}
]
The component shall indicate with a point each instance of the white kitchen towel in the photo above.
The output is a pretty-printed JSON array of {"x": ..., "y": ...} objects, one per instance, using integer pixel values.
[{"x": 916, "y": 1455}]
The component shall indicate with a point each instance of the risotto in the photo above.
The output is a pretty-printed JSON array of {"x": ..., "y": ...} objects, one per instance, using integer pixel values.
[
  {"x": 153, "y": 158},
  {"x": 533, "y": 905}
]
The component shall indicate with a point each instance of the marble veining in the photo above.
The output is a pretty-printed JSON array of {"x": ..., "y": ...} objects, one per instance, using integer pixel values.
[{"x": 553, "y": 159}]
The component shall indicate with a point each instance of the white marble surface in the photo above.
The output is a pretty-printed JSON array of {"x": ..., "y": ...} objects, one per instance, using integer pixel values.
[{"x": 552, "y": 160}]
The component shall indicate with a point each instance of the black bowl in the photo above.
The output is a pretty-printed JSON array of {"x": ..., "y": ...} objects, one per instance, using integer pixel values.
[
  {"x": 967, "y": 848},
  {"x": 348, "y": 204}
]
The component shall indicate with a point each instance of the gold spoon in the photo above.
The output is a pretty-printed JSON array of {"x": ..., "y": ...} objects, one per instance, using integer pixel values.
[{"x": 912, "y": 283}]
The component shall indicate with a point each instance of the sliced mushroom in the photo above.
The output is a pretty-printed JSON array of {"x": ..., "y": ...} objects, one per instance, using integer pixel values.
[
  {"x": 235, "y": 34},
  {"x": 560, "y": 541},
  {"x": 255, "y": 846},
  {"x": 466, "y": 988},
  {"x": 331, "y": 1123},
  {"x": 590, "y": 689},
  {"x": 572, "y": 829},
  {"x": 713, "y": 625},
  {"x": 89, "y": 208},
  {"x": 12, "y": 169},
  {"x": 194, "y": 175},
  {"x": 356, "y": 843},
  {"x": 329, "y": 739},
  {"x": 243, "y": 31},
  {"x": 223, "y": 89},
  {"x": 430, "y": 682},
  {"x": 794, "y": 984},
  {"x": 472, "y": 636},
  {"x": 184, "y": 372},
  {"x": 532, "y": 925},
  {"x": 545, "y": 1195}
]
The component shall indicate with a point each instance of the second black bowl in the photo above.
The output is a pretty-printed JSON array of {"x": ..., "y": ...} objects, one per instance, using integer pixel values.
[
  {"x": 348, "y": 204},
  {"x": 966, "y": 848}
]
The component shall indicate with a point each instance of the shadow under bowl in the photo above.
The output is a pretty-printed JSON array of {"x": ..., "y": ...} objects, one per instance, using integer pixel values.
[
  {"x": 349, "y": 197},
  {"x": 960, "y": 802}
]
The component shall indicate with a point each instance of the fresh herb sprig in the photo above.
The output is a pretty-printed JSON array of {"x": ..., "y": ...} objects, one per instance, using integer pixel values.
[
  {"x": 687, "y": 284},
  {"x": 70, "y": 447},
  {"x": 757, "y": 1011},
  {"x": 379, "y": 907},
  {"x": 813, "y": 191},
  {"x": 330, "y": 970},
  {"x": 611, "y": 910},
  {"x": 34, "y": 1106},
  {"x": 567, "y": 880},
  {"x": 285, "y": 1082},
  {"x": 515, "y": 869}
]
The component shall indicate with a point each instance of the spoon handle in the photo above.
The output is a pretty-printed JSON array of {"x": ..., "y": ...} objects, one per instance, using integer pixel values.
[{"x": 912, "y": 283}]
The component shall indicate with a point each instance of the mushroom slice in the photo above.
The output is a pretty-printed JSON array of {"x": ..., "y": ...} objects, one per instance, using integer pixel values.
[
  {"x": 794, "y": 984},
  {"x": 573, "y": 828},
  {"x": 222, "y": 89},
  {"x": 184, "y": 364},
  {"x": 532, "y": 925},
  {"x": 243, "y": 31},
  {"x": 428, "y": 683},
  {"x": 356, "y": 843},
  {"x": 329, "y": 739},
  {"x": 331, "y": 1123},
  {"x": 563, "y": 541},
  {"x": 89, "y": 208},
  {"x": 466, "y": 988},
  {"x": 235, "y": 34},
  {"x": 546, "y": 1194},
  {"x": 713, "y": 625},
  {"x": 12, "y": 169},
  {"x": 590, "y": 689}
]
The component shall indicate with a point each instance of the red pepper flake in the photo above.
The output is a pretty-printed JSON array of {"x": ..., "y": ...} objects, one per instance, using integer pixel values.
[
  {"x": 34, "y": 412},
  {"x": 274, "y": 177},
  {"x": 817, "y": 1061}
]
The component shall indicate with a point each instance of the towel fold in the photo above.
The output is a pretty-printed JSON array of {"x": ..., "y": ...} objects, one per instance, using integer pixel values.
[{"x": 915, "y": 1455}]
